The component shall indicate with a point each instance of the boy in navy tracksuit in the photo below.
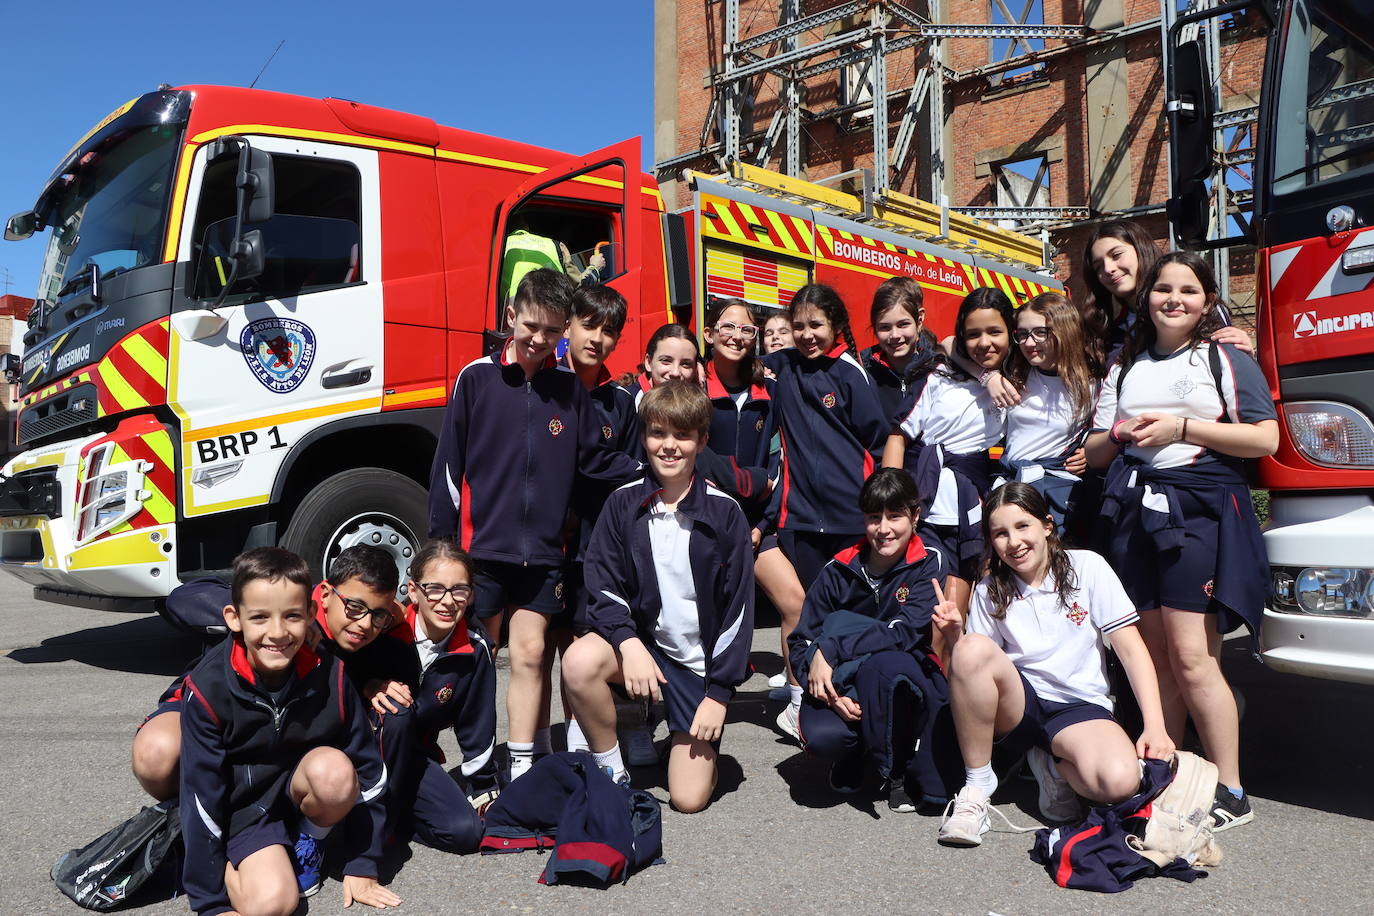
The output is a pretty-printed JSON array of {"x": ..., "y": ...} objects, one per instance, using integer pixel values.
[
  {"x": 452, "y": 685},
  {"x": 670, "y": 587},
  {"x": 866, "y": 654},
  {"x": 273, "y": 735},
  {"x": 518, "y": 430}
]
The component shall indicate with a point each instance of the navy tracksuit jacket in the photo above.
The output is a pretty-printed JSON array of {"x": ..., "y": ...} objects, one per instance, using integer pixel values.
[
  {"x": 239, "y": 748},
  {"x": 892, "y": 385},
  {"x": 507, "y": 458},
  {"x": 876, "y": 637},
  {"x": 833, "y": 432},
  {"x": 744, "y": 434},
  {"x": 623, "y": 599}
]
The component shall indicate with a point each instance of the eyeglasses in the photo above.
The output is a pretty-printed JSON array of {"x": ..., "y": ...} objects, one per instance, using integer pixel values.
[
  {"x": 730, "y": 329},
  {"x": 436, "y": 592},
  {"x": 1021, "y": 335},
  {"x": 382, "y": 618}
]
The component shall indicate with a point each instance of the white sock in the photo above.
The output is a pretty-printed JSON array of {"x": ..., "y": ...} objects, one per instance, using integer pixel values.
[
  {"x": 983, "y": 777},
  {"x": 521, "y": 756},
  {"x": 796, "y": 691},
  {"x": 576, "y": 740},
  {"x": 313, "y": 829},
  {"x": 543, "y": 744},
  {"x": 613, "y": 760}
]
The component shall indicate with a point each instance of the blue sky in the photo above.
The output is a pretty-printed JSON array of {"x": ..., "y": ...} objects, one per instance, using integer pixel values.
[{"x": 573, "y": 77}]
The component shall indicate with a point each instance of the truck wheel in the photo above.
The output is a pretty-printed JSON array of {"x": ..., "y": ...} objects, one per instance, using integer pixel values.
[{"x": 361, "y": 506}]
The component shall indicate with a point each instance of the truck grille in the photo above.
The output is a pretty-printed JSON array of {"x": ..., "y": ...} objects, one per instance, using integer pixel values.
[
  {"x": 34, "y": 492},
  {"x": 72, "y": 408}
]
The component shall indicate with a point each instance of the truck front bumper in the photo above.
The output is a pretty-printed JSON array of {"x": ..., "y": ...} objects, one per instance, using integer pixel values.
[
  {"x": 40, "y": 495},
  {"x": 1319, "y": 531}
]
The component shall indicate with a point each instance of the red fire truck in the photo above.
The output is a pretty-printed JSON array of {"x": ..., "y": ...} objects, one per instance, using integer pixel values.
[
  {"x": 1313, "y": 223},
  {"x": 254, "y": 305}
]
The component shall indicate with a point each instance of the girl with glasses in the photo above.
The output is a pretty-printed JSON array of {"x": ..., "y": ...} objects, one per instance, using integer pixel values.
[{"x": 1058, "y": 377}]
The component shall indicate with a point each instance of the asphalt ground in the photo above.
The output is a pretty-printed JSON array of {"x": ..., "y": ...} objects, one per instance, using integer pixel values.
[{"x": 76, "y": 683}]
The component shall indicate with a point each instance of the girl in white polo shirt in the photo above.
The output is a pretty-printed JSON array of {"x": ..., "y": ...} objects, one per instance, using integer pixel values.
[
  {"x": 1031, "y": 670},
  {"x": 1058, "y": 377}
]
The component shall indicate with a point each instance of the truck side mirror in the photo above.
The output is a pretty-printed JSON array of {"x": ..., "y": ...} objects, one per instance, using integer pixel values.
[
  {"x": 257, "y": 178},
  {"x": 1190, "y": 112},
  {"x": 1189, "y": 212},
  {"x": 250, "y": 255},
  {"x": 20, "y": 226}
]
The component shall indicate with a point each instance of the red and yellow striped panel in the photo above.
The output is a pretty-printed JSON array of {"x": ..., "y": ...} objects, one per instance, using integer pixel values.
[
  {"x": 761, "y": 280},
  {"x": 759, "y": 227},
  {"x": 143, "y": 438},
  {"x": 131, "y": 376},
  {"x": 1020, "y": 291}
]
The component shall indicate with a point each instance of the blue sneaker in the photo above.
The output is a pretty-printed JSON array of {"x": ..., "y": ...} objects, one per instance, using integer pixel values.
[
  {"x": 610, "y": 774},
  {"x": 309, "y": 855}
]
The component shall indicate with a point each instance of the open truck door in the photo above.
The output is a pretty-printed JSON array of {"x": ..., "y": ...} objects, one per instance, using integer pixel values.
[{"x": 590, "y": 204}]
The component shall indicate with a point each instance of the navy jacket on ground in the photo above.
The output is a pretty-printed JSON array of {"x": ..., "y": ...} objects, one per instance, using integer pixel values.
[
  {"x": 902, "y": 600},
  {"x": 239, "y": 748},
  {"x": 833, "y": 432},
  {"x": 508, "y": 454},
  {"x": 622, "y": 589}
]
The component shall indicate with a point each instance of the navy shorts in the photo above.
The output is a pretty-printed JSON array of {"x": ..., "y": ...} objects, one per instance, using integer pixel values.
[
  {"x": 682, "y": 694},
  {"x": 1180, "y": 577},
  {"x": 269, "y": 831},
  {"x": 1043, "y": 719},
  {"x": 497, "y": 586},
  {"x": 162, "y": 707},
  {"x": 945, "y": 538},
  {"x": 766, "y": 543},
  {"x": 809, "y": 551}
]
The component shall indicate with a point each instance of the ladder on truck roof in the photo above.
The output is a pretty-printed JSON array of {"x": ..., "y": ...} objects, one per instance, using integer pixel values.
[{"x": 891, "y": 210}]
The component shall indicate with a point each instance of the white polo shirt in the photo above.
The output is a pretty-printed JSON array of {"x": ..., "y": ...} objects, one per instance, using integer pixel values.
[
  {"x": 958, "y": 416},
  {"x": 1060, "y": 649},
  {"x": 678, "y": 630},
  {"x": 1045, "y": 424}
]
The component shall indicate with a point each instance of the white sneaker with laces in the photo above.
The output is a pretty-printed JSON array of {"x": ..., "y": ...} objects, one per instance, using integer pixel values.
[
  {"x": 966, "y": 818},
  {"x": 778, "y": 680},
  {"x": 787, "y": 721},
  {"x": 1058, "y": 801},
  {"x": 639, "y": 747}
]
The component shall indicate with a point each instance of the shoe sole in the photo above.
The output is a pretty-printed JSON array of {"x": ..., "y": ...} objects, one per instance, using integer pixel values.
[
  {"x": 1230, "y": 821},
  {"x": 901, "y": 809},
  {"x": 959, "y": 841},
  {"x": 312, "y": 891}
]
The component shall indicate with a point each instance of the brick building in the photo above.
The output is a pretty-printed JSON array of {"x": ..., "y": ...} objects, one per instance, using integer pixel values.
[
  {"x": 13, "y": 312},
  {"x": 1070, "y": 123}
]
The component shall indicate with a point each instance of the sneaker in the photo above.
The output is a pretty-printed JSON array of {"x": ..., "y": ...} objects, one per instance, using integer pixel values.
[
  {"x": 638, "y": 744},
  {"x": 624, "y": 779},
  {"x": 897, "y": 798},
  {"x": 847, "y": 774},
  {"x": 778, "y": 680},
  {"x": 309, "y": 853},
  {"x": 965, "y": 819},
  {"x": 787, "y": 721},
  {"x": 1229, "y": 811},
  {"x": 1058, "y": 800}
]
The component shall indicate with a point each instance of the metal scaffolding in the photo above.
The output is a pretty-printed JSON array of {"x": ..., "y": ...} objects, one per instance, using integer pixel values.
[{"x": 862, "y": 38}]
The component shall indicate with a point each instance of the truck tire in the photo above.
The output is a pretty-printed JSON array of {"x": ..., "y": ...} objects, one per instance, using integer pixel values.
[{"x": 370, "y": 506}]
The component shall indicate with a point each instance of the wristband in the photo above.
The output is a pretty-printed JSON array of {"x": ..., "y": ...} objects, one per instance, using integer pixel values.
[
  {"x": 1111, "y": 434},
  {"x": 1183, "y": 436}
]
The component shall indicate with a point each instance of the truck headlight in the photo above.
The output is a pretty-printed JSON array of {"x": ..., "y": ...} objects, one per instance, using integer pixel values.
[
  {"x": 1325, "y": 591},
  {"x": 1331, "y": 434},
  {"x": 110, "y": 495}
]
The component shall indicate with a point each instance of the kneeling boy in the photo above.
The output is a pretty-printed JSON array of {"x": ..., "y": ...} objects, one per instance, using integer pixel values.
[
  {"x": 865, "y": 653},
  {"x": 670, "y": 600},
  {"x": 272, "y": 734}
]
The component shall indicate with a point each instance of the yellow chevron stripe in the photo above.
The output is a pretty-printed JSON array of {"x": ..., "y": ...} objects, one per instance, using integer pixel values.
[
  {"x": 752, "y": 218},
  {"x": 123, "y": 393},
  {"x": 780, "y": 229},
  {"x": 732, "y": 228},
  {"x": 161, "y": 444},
  {"x": 148, "y": 358}
]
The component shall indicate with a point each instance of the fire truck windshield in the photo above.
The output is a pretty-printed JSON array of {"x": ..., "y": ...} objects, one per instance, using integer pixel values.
[
  {"x": 110, "y": 207},
  {"x": 1324, "y": 117}
]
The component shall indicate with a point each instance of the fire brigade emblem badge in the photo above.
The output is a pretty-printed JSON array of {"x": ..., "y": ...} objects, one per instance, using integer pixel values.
[
  {"x": 1211, "y": 584},
  {"x": 607, "y": 432},
  {"x": 903, "y": 593},
  {"x": 558, "y": 591},
  {"x": 555, "y": 426},
  {"x": 279, "y": 352},
  {"x": 1077, "y": 614},
  {"x": 444, "y": 693},
  {"x": 758, "y": 425},
  {"x": 829, "y": 400},
  {"x": 1182, "y": 388}
]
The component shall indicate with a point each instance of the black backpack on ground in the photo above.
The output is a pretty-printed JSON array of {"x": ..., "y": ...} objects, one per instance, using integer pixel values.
[{"x": 136, "y": 863}]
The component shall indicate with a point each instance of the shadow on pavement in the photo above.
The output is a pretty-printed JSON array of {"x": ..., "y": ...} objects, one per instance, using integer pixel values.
[
  {"x": 147, "y": 645},
  {"x": 1304, "y": 741}
]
